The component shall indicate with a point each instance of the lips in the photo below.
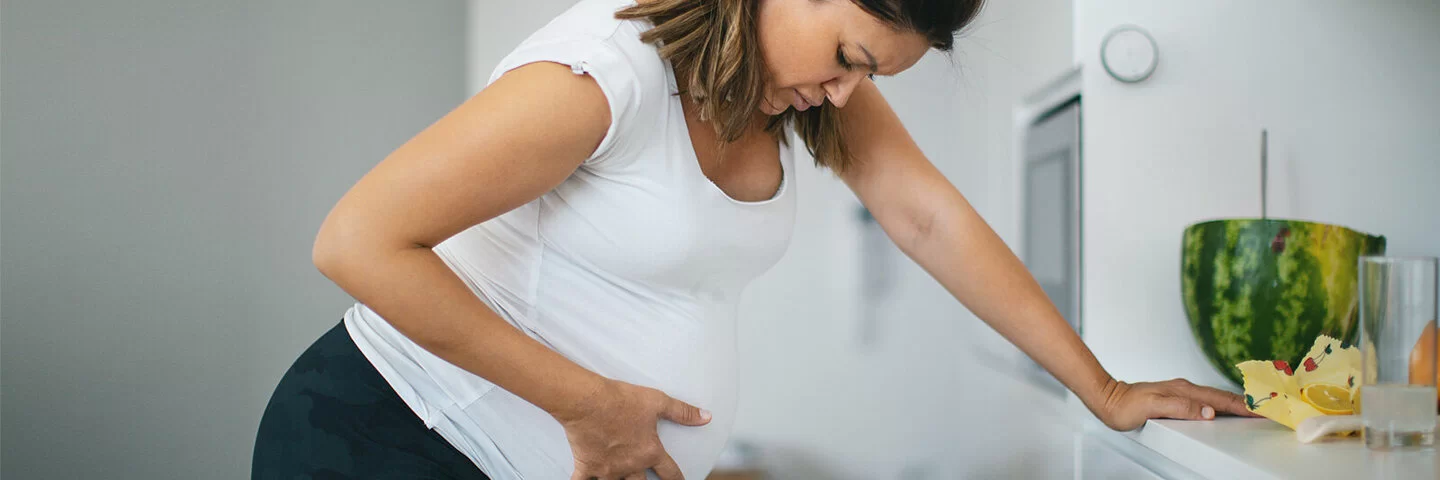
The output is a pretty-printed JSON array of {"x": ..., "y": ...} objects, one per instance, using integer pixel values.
[{"x": 801, "y": 103}]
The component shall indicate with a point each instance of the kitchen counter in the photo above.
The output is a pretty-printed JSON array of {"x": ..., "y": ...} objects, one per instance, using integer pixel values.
[
  {"x": 1254, "y": 448},
  {"x": 1224, "y": 448}
]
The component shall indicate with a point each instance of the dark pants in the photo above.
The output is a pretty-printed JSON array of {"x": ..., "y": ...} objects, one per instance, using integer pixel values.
[{"x": 334, "y": 416}]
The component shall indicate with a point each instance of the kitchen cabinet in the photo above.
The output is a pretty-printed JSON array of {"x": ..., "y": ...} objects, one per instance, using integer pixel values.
[
  {"x": 1096, "y": 458},
  {"x": 749, "y": 474}
]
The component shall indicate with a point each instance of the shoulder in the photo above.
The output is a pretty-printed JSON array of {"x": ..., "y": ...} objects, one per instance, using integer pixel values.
[
  {"x": 589, "y": 32},
  {"x": 631, "y": 73}
]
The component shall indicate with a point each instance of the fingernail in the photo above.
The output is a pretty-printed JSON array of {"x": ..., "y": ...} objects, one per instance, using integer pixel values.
[
  {"x": 1207, "y": 412},
  {"x": 704, "y": 414}
]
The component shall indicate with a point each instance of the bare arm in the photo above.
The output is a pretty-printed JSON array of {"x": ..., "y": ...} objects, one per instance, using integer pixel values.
[
  {"x": 479, "y": 161},
  {"x": 934, "y": 225}
]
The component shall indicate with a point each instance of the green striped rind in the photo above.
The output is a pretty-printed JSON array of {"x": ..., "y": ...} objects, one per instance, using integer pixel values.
[{"x": 1246, "y": 301}]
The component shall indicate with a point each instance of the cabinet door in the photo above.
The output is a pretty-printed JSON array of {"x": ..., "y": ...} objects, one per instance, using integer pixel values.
[{"x": 1095, "y": 459}]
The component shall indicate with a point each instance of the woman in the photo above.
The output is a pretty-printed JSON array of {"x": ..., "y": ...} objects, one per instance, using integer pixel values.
[{"x": 547, "y": 276}]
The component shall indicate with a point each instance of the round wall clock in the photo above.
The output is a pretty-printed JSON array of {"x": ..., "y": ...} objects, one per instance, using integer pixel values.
[{"x": 1129, "y": 54}]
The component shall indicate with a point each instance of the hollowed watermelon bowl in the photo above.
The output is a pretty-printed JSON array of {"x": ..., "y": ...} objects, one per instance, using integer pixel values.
[{"x": 1263, "y": 289}]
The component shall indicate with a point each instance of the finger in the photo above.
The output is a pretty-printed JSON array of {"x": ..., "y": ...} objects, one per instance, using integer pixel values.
[
  {"x": 635, "y": 476},
  {"x": 1242, "y": 412},
  {"x": 1233, "y": 404},
  {"x": 1223, "y": 401},
  {"x": 668, "y": 470},
  {"x": 1184, "y": 408},
  {"x": 684, "y": 413}
]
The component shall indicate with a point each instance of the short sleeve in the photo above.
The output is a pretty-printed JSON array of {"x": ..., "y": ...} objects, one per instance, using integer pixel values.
[{"x": 610, "y": 68}]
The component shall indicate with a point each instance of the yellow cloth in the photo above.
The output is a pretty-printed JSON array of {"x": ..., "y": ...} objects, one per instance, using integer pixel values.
[{"x": 1272, "y": 388}]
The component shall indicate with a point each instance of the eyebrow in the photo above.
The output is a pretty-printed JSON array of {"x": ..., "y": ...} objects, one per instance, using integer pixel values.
[{"x": 874, "y": 66}]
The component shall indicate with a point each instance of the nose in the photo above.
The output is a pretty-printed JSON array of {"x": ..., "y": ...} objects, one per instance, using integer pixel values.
[{"x": 838, "y": 89}]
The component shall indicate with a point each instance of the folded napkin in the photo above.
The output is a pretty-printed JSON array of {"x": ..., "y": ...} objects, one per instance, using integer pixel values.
[
  {"x": 1325, "y": 384},
  {"x": 1315, "y": 428}
]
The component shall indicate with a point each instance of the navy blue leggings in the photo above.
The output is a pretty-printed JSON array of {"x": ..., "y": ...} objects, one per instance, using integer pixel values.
[{"x": 334, "y": 416}]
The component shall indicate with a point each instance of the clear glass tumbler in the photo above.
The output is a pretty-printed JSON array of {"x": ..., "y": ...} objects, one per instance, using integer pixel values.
[{"x": 1398, "y": 399}]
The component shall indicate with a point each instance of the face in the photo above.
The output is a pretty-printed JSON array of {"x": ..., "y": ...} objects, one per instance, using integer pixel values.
[{"x": 820, "y": 50}]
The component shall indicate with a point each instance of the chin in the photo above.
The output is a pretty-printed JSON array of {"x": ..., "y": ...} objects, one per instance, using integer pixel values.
[{"x": 766, "y": 107}]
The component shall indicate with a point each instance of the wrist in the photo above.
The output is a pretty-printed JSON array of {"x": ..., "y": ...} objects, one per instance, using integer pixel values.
[
  {"x": 1100, "y": 393},
  {"x": 578, "y": 398}
]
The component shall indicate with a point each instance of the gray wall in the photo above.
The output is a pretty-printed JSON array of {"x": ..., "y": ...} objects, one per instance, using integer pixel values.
[{"x": 166, "y": 165}]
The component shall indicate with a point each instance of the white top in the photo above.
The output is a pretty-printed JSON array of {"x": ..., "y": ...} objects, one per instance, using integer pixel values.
[{"x": 632, "y": 268}]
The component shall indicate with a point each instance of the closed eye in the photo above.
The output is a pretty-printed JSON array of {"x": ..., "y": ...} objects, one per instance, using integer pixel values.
[{"x": 840, "y": 58}]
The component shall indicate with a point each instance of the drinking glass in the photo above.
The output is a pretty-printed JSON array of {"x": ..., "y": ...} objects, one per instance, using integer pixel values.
[{"x": 1398, "y": 345}]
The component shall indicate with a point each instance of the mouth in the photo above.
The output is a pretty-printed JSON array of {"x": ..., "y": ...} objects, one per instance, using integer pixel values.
[
  {"x": 771, "y": 105},
  {"x": 801, "y": 103}
]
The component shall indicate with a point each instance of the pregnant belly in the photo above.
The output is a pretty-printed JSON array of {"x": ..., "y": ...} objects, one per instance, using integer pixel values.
[
  {"x": 693, "y": 363},
  {"x": 709, "y": 383},
  {"x": 532, "y": 445}
]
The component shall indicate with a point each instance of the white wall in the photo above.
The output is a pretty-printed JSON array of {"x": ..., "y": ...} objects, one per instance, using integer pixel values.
[
  {"x": 166, "y": 167},
  {"x": 1348, "y": 92}
]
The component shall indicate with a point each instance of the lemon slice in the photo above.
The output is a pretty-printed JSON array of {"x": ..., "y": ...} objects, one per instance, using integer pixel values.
[
  {"x": 1355, "y": 398},
  {"x": 1328, "y": 399}
]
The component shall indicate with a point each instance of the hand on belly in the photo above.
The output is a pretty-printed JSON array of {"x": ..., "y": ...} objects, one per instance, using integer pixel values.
[{"x": 614, "y": 433}]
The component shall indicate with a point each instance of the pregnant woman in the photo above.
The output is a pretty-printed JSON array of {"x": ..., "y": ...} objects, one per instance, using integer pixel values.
[{"x": 548, "y": 276}]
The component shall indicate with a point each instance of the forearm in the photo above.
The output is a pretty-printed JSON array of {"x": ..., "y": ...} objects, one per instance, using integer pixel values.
[
  {"x": 420, "y": 296},
  {"x": 965, "y": 255}
]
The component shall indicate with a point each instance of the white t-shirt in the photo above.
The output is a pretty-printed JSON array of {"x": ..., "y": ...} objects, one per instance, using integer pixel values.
[{"x": 632, "y": 268}]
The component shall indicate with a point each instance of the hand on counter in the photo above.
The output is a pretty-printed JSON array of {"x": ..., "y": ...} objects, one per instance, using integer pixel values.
[{"x": 1127, "y": 406}]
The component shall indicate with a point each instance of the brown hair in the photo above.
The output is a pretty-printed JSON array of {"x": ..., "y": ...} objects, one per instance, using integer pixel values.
[{"x": 715, "y": 51}]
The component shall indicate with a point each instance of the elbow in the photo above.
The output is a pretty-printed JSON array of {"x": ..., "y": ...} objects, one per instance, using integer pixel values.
[
  {"x": 332, "y": 248},
  {"x": 325, "y": 256},
  {"x": 321, "y": 256},
  {"x": 341, "y": 244}
]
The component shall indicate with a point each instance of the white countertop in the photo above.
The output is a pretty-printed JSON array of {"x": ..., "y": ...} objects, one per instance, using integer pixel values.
[
  {"x": 1258, "y": 448},
  {"x": 1247, "y": 448}
]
